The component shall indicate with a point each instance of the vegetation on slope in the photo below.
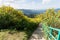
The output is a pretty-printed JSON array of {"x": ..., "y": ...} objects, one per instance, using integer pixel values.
[
  {"x": 13, "y": 19},
  {"x": 51, "y": 18}
]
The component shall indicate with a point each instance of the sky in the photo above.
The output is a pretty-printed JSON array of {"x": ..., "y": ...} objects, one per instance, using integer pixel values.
[{"x": 31, "y": 4}]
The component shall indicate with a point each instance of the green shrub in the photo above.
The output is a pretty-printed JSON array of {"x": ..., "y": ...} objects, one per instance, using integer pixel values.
[{"x": 11, "y": 18}]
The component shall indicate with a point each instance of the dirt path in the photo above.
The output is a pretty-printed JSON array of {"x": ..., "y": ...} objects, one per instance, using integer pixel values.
[{"x": 38, "y": 34}]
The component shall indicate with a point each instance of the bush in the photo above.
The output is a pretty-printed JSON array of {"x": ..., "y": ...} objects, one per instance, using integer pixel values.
[{"x": 11, "y": 18}]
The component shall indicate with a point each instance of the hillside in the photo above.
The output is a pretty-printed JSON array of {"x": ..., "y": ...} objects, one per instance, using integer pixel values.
[{"x": 32, "y": 13}]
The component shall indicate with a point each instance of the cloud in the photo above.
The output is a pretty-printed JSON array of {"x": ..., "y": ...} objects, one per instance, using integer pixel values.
[
  {"x": 15, "y": 1},
  {"x": 20, "y": 3},
  {"x": 11, "y": 2},
  {"x": 24, "y": 4},
  {"x": 46, "y": 1}
]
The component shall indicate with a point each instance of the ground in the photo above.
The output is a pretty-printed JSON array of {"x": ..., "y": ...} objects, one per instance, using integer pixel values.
[
  {"x": 12, "y": 35},
  {"x": 22, "y": 35},
  {"x": 38, "y": 34}
]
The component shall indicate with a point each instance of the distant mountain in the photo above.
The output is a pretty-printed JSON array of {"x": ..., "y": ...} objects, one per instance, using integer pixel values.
[
  {"x": 32, "y": 13},
  {"x": 57, "y": 9}
]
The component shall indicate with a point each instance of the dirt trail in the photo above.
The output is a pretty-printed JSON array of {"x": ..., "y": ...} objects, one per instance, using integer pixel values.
[{"x": 38, "y": 34}]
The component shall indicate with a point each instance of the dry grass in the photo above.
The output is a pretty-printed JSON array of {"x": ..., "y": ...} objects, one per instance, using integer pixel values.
[{"x": 12, "y": 35}]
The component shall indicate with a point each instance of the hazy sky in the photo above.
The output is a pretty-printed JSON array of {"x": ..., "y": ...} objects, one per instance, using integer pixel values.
[{"x": 31, "y": 4}]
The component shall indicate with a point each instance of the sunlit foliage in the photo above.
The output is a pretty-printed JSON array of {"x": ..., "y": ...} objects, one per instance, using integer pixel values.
[
  {"x": 51, "y": 17},
  {"x": 14, "y": 19},
  {"x": 11, "y": 18}
]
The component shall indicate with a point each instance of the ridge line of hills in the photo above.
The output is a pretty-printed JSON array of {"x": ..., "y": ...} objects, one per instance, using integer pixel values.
[{"x": 31, "y": 13}]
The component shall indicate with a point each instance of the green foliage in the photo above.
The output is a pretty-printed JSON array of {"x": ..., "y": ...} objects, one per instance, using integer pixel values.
[
  {"x": 51, "y": 17},
  {"x": 8, "y": 17},
  {"x": 11, "y": 18}
]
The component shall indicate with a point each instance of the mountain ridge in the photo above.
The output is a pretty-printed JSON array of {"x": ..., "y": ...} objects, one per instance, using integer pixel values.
[{"x": 30, "y": 12}]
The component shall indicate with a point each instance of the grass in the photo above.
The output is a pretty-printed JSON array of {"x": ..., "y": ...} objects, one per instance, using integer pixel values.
[{"x": 12, "y": 35}]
